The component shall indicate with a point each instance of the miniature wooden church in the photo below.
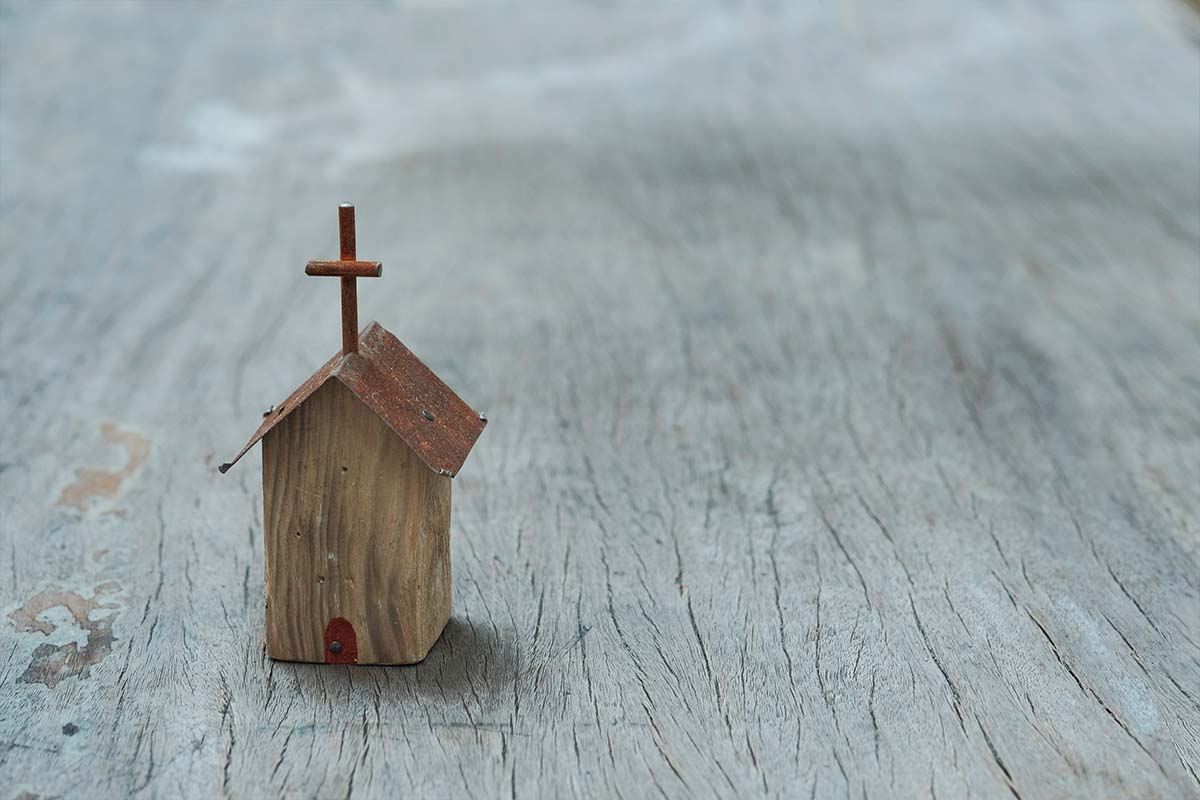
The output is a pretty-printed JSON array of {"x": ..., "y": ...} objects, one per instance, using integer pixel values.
[{"x": 357, "y": 465}]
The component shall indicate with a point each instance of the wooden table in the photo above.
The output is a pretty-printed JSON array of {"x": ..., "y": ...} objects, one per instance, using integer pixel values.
[{"x": 843, "y": 369}]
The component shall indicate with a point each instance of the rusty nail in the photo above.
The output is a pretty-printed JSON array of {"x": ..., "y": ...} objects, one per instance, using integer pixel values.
[
  {"x": 426, "y": 414},
  {"x": 335, "y": 647}
]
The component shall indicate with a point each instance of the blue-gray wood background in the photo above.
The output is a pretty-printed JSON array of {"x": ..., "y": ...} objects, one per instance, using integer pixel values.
[{"x": 842, "y": 361}]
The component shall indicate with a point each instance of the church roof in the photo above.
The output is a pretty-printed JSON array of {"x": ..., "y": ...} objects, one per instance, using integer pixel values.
[{"x": 399, "y": 389}]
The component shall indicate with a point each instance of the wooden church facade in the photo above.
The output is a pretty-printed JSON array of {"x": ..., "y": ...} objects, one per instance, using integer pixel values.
[{"x": 357, "y": 468}]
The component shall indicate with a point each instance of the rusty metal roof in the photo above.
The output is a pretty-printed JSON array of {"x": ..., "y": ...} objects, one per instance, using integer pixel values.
[{"x": 401, "y": 391}]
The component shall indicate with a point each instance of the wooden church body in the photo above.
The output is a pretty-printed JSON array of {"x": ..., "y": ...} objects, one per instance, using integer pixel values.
[{"x": 357, "y": 467}]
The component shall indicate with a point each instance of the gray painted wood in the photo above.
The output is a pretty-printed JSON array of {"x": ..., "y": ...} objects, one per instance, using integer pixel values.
[{"x": 843, "y": 367}]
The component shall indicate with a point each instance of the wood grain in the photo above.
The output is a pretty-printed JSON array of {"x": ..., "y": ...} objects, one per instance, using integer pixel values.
[
  {"x": 843, "y": 367},
  {"x": 355, "y": 527}
]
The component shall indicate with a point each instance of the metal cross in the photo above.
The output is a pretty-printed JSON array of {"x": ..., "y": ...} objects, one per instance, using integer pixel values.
[{"x": 348, "y": 270}]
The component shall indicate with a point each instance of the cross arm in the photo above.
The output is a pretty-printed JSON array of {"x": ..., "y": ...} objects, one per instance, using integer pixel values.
[{"x": 344, "y": 269}]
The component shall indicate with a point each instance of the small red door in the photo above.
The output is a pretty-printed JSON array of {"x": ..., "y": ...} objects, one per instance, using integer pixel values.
[{"x": 341, "y": 644}]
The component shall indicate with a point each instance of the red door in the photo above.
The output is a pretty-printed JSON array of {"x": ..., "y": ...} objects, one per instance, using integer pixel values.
[{"x": 341, "y": 644}]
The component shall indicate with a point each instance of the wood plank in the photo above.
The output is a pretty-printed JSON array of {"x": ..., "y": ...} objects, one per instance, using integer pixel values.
[{"x": 842, "y": 368}]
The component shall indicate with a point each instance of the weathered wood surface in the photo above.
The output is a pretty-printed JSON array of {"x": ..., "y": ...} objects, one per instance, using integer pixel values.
[{"x": 843, "y": 367}]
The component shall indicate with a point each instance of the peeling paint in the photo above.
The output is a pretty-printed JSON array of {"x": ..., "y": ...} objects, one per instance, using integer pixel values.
[
  {"x": 90, "y": 483},
  {"x": 88, "y": 633}
]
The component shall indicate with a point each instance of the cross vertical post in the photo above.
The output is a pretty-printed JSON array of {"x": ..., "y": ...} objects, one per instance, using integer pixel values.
[
  {"x": 349, "y": 285},
  {"x": 349, "y": 270}
]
